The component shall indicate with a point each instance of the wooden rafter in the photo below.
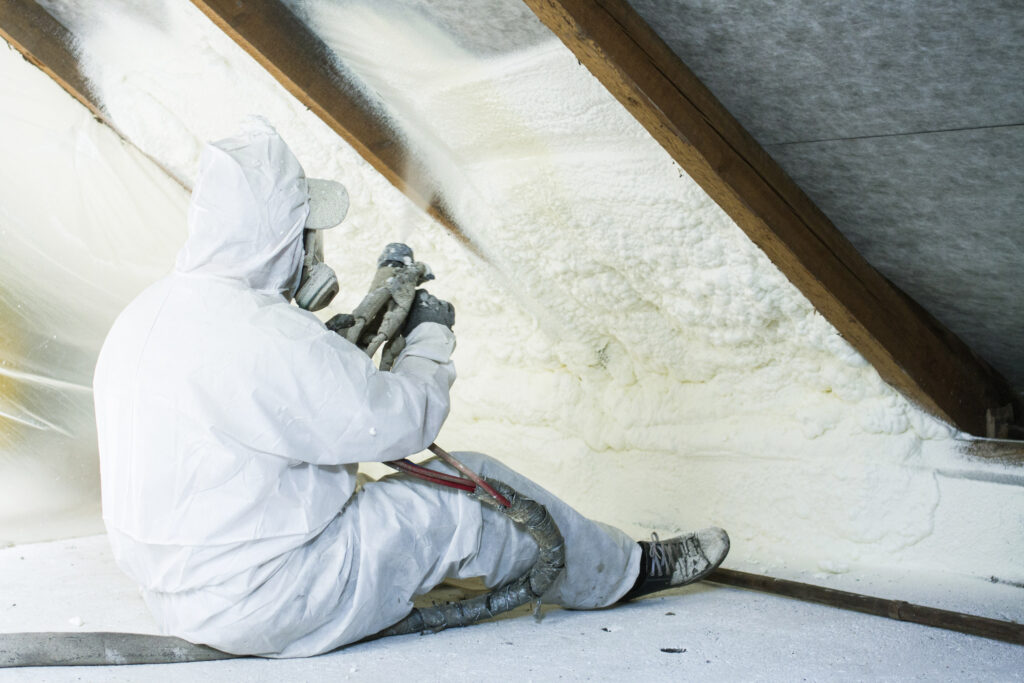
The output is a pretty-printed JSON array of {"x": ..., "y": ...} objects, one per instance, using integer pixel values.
[
  {"x": 910, "y": 349},
  {"x": 47, "y": 44},
  {"x": 283, "y": 45},
  {"x": 304, "y": 65},
  {"x": 44, "y": 42}
]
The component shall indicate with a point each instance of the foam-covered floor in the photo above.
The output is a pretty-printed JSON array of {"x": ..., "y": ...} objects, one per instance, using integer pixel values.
[{"x": 703, "y": 632}]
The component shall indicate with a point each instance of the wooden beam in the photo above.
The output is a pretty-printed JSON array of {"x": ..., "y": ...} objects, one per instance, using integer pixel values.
[
  {"x": 287, "y": 49},
  {"x": 1001, "y": 451},
  {"x": 44, "y": 42},
  {"x": 985, "y": 627},
  {"x": 910, "y": 349},
  {"x": 305, "y": 66}
]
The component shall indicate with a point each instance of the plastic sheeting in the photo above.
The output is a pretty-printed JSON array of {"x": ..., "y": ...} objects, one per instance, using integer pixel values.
[{"x": 77, "y": 211}]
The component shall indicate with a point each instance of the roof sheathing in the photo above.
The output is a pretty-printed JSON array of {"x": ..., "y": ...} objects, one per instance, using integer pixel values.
[{"x": 910, "y": 349}]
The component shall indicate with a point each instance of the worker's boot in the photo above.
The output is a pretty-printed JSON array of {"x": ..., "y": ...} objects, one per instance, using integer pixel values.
[{"x": 678, "y": 561}]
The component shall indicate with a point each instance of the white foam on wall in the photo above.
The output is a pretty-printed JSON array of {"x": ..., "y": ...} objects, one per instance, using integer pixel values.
[{"x": 622, "y": 342}]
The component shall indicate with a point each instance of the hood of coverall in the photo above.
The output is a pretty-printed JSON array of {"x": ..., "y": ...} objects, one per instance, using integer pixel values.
[{"x": 248, "y": 208}]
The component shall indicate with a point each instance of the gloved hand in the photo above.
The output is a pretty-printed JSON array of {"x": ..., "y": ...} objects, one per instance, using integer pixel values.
[
  {"x": 427, "y": 308},
  {"x": 395, "y": 255}
]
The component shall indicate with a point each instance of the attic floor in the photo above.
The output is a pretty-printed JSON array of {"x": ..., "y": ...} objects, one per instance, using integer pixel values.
[{"x": 703, "y": 632}]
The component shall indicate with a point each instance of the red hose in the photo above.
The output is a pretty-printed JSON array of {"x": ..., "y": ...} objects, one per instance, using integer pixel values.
[
  {"x": 432, "y": 475},
  {"x": 449, "y": 480},
  {"x": 473, "y": 476}
]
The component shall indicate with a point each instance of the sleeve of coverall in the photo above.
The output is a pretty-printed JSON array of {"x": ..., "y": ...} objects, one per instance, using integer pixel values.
[{"x": 398, "y": 413}]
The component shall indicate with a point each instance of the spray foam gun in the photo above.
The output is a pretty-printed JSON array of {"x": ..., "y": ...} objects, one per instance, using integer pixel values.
[{"x": 377, "y": 321}]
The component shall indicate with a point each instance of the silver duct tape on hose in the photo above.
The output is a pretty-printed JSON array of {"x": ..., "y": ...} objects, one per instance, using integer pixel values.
[
  {"x": 99, "y": 649},
  {"x": 535, "y": 520}
]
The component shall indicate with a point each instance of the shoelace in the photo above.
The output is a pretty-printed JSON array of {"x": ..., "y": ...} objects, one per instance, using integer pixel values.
[
  {"x": 667, "y": 559},
  {"x": 662, "y": 562}
]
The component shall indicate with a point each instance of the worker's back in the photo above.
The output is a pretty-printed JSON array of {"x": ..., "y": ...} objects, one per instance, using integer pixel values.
[{"x": 203, "y": 441}]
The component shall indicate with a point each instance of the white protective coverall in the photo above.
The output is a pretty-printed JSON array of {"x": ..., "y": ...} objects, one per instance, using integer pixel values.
[{"x": 231, "y": 424}]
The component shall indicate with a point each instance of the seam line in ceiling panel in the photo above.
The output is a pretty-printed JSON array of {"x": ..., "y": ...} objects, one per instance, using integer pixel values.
[{"x": 894, "y": 135}]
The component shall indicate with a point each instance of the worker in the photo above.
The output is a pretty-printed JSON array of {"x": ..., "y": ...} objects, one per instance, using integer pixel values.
[{"x": 231, "y": 424}]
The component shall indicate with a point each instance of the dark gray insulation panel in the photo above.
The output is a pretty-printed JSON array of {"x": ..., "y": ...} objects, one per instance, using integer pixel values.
[
  {"x": 903, "y": 121},
  {"x": 795, "y": 70}
]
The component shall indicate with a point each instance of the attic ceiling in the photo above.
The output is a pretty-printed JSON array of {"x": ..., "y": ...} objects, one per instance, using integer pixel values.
[
  {"x": 903, "y": 121},
  {"x": 865, "y": 120}
]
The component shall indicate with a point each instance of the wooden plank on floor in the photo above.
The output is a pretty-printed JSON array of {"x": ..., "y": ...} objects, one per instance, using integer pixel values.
[
  {"x": 303, "y": 64},
  {"x": 44, "y": 42},
  {"x": 911, "y": 350},
  {"x": 1005, "y": 452},
  {"x": 986, "y": 627}
]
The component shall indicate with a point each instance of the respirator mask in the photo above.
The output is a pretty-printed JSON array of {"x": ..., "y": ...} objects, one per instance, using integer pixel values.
[{"x": 318, "y": 283}]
